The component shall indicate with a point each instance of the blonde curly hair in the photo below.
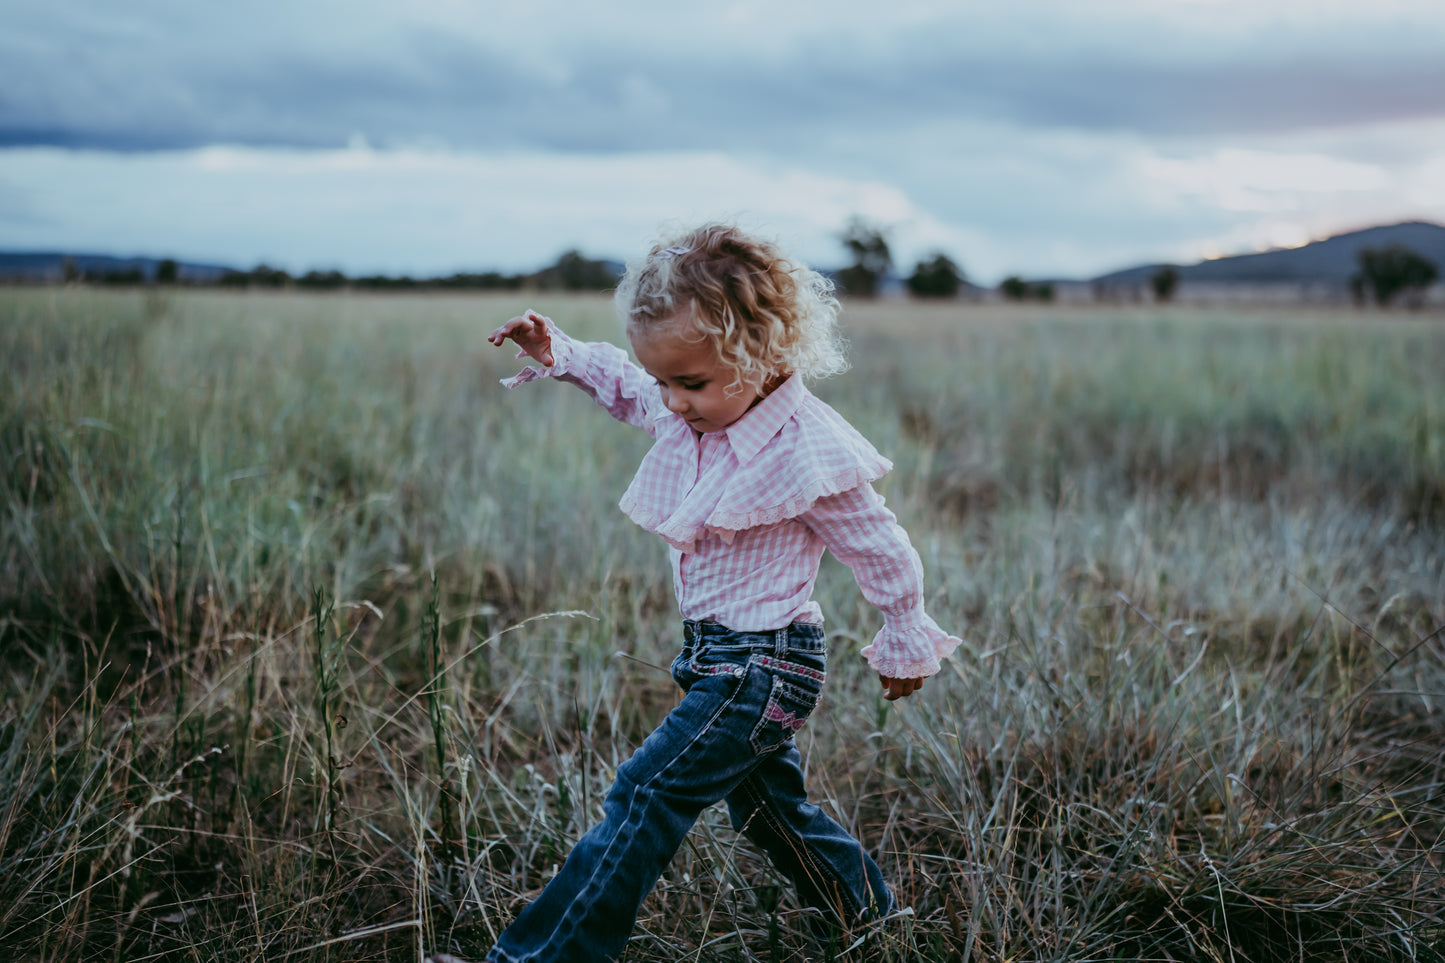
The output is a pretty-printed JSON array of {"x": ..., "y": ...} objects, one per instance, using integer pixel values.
[{"x": 767, "y": 315}]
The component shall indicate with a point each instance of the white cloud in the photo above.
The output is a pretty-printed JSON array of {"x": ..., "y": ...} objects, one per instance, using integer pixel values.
[
  {"x": 999, "y": 199},
  {"x": 1255, "y": 180},
  {"x": 1425, "y": 186},
  {"x": 415, "y": 211}
]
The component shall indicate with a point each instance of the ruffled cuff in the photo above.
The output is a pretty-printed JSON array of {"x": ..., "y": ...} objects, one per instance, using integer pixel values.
[
  {"x": 910, "y": 651},
  {"x": 564, "y": 354}
]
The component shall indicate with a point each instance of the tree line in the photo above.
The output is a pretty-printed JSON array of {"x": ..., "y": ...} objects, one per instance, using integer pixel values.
[
  {"x": 570, "y": 272},
  {"x": 1386, "y": 276},
  {"x": 937, "y": 276}
]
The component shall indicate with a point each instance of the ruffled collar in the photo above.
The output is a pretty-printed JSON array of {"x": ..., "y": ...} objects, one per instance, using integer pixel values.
[{"x": 784, "y": 454}]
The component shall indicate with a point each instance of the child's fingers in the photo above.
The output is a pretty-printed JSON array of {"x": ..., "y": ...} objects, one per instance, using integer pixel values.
[
  {"x": 540, "y": 340},
  {"x": 530, "y": 325},
  {"x": 521, "y": 327},
  {"x": 506, "y": 331},
  {"x": 899, "y": 688},
  {"x": 529, "y": 332}
]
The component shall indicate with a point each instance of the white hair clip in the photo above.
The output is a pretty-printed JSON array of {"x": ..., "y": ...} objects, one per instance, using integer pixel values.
[{"x": 673, "y": 252}]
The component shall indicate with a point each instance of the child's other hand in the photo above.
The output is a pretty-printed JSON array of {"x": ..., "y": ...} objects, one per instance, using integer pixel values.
[
  {"x": 529, "y": 332},
  {"x": 898, "y": 688}
]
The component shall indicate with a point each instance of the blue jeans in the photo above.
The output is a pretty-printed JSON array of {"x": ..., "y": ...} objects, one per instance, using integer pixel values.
[{"x": 731, "y": 737}]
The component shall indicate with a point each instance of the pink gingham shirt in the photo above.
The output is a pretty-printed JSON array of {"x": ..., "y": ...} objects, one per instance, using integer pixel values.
[{"x": 747, "y": 511}]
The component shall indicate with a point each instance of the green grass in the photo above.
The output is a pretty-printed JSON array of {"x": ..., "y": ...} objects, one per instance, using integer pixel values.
[{"x": 319, "y": 645}]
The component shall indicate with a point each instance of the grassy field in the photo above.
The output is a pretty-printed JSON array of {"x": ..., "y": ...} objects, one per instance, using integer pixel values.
[{"x": 319, "y": 645}]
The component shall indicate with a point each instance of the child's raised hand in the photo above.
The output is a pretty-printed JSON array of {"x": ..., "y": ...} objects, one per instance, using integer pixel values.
[
  {"x": 529, "y": 332},
  {"x": 898, "y": 688}
]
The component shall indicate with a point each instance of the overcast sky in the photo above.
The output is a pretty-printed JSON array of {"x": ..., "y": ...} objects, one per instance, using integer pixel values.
[{"x": 1061, "y": 138}]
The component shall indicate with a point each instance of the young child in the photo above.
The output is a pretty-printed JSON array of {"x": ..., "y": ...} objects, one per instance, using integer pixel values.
[{"x": 749, "y": 479}]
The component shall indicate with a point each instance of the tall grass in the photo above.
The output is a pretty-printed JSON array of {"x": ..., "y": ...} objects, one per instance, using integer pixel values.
[{"x": 317, "y": 644}]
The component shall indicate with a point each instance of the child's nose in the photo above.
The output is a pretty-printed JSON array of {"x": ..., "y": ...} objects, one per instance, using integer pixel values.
[{"x": 675, "y": 403}]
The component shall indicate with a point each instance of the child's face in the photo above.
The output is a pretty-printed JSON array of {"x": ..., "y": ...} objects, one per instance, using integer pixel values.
[{"x": 692, "y": 378}]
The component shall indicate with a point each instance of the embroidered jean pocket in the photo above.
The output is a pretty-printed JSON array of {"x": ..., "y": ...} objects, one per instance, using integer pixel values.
[{"x": 789, "y": 705}]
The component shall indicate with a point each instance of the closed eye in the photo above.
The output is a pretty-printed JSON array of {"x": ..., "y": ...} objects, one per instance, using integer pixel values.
[{"x": 682, "y": 385}]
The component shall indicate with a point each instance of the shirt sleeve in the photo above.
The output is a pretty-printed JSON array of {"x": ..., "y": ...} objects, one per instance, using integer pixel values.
[
  {"x": 864, "y": 535},
  {"x": 604, "y": 372}
]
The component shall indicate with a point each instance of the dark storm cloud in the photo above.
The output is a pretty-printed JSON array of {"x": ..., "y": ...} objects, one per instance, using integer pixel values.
[
  {"x": 426, "y": 86},
  {"x": 1276, "y": 95}
]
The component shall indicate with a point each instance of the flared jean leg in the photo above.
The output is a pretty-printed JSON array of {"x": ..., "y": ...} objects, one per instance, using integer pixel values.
[{"x": 828, "y": 867}]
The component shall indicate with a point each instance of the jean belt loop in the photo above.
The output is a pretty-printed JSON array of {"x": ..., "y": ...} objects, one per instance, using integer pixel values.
[{"x": 780, "y": 642}]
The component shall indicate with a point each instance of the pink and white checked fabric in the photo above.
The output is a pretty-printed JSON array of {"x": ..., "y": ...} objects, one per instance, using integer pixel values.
[{"x": 748, "y": 511}]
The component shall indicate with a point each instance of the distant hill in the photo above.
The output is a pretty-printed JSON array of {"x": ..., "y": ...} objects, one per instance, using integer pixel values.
[
  {"x": 1332, "y": 261},
  {"x": 50, "y": 266}
]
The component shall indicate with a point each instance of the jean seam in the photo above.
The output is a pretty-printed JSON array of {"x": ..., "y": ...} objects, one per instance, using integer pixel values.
[{"x": 763, "y": 806}]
